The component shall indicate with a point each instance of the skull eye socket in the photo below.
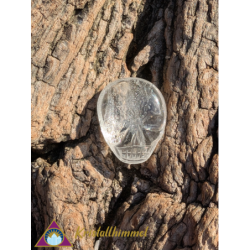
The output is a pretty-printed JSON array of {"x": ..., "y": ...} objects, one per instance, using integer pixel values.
[
  {"x": 153, "y": 115},
  {"x": 153, "y": 123},
  {"x": 150, "y": 136}
]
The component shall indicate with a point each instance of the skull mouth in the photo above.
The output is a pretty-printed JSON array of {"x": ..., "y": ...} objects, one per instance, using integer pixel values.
[{"x": 134, "y": 153}]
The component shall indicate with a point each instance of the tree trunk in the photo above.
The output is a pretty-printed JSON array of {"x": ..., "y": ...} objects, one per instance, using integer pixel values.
[{"x": 78, "y": 47}]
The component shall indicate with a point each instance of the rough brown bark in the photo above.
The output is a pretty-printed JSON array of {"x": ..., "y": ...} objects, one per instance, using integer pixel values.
[{"x": 78, "y": 47}]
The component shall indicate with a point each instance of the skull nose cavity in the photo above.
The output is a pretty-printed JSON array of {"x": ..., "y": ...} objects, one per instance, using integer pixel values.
[{"x": 135, "y": 124}]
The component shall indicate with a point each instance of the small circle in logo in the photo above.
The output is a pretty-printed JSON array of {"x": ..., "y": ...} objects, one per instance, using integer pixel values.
[{"x": 53, "y": 236}]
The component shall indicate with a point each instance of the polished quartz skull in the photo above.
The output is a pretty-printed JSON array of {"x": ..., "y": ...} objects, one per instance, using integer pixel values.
[{"x": 132, "y": 115}]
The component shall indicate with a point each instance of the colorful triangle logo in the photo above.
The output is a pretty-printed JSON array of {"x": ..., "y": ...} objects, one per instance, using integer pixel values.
[{"x": 53, "y": 237}]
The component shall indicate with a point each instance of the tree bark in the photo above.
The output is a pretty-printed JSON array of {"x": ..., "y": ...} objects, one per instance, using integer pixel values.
[{"x": 78, "y": 47}]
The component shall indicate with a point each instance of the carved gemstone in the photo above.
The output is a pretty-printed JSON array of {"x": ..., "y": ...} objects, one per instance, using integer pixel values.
[{"x": 132, "y": 115}]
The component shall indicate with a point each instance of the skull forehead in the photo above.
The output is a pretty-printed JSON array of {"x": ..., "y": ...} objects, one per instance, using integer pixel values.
[
  {"x": 135, "y": 95},
  {"x": 122, "y": 88}
]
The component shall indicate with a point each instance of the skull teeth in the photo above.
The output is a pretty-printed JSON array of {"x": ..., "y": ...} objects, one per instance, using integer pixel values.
[{"x": 134, "y": 152}]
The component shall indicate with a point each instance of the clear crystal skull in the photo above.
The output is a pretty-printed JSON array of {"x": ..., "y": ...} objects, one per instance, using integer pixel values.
[{"x": 132, "y": 115}]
